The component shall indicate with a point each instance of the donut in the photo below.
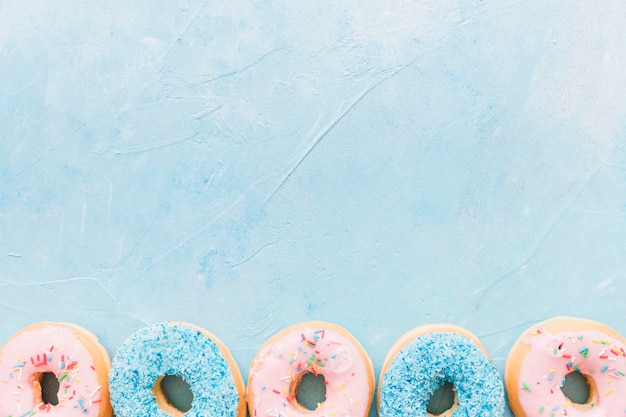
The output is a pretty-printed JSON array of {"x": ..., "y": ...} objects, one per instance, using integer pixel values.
[
  {"x": 425, "y": 358},
  {"x": 322, "y": 349},
  {"x": 176, "y": 349},
  {"x": 537, "y": 365},
  {"x": 67, "y": 353}
]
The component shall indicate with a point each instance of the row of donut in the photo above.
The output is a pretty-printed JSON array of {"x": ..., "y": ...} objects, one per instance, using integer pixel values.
[{"x": 419, "y": 362}]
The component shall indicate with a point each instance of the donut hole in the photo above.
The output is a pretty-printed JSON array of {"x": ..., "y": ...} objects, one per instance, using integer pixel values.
[
  {"x": 579, "y": 388},
  {"x": 310, "y": 390},
  {"x": 442, "y": 401},
  {"x": 173, "y": 394},
  {"x": 49, "y": 388}
]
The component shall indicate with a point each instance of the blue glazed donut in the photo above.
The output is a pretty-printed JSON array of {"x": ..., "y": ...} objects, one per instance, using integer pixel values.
[
  {"x": 178, "y": 349},
  {"x": 424, "y": 359}
]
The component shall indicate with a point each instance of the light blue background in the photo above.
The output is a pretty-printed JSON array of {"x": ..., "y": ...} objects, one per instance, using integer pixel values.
[{"x": 245, "y": 166}]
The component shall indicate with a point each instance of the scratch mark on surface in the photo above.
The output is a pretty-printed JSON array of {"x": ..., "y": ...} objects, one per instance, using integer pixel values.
[
  {"x": 63, "y": 281},
  {"x": 143, "y": 148},
  {"x": 607, "y": 282},
  {"x": 134, "y": 317},
  {"x": 247, "y": 67},
  {"x": 137, "y": 242},
  {"x": 110, "y": 203},
  {"x": 509, "y": 329},
  {"x": 318, "y": 139},
  {"x": 204, "y": 113},
  {"x": 587, "y": 211},
  {"x": 26, "y": 167},
  {"x": 83, "y": 220},
  {"x": 22, "y": 88},
  {"x": 185, "y": 30},
  {"x": 266, "y": 320},
  {"x": 197, "y": 232},
  {"x": 537, "y": 248},
  {"x": 12, "y": 307},
  {"x": 245, "y": 260}
]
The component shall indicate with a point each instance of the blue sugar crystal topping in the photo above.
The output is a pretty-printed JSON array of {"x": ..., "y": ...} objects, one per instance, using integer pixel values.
[
  {"x": 431, "y": 360},
  {"x": 171, "y": 349}
]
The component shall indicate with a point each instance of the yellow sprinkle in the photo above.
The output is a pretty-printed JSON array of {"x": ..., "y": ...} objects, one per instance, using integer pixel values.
[
  {"x": 339, "y": 387},
  {"x": 607, "y": 392},
  {"x": 595, "y": 340}
]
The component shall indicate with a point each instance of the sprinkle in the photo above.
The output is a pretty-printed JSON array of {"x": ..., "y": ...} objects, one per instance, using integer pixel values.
[
  {"x": 526, "y": 387},
  {"x": 95, "y": 391},
  {"x": 607, "y": 392},
  {"x": 604, "y": 368},
  {"x": 584, "y": 351}
]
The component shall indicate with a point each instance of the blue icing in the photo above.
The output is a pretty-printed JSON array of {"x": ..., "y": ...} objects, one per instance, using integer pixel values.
[
  {"x": 429, "y": 361},
  {"x": 171, "y": 349}
]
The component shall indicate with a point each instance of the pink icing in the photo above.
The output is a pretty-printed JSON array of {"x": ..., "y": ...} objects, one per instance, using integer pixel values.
[
  {"x": 49, "y": 349},
  {"x": 552, "y": 356},
  {"x": 319, "y": 351}
]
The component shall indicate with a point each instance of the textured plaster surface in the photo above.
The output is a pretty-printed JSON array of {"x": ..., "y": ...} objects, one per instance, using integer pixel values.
[{"x": 245, "y": 166}]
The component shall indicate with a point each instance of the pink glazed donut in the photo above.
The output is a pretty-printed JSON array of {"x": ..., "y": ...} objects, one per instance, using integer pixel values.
[
  {"x": 68, "y": 353},
  {"x": 318, "y": 348},
  {"x": 541, "y": 358}
]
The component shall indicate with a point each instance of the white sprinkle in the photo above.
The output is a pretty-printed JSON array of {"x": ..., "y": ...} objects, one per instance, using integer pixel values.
[{"x": 96, "y": 390}]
